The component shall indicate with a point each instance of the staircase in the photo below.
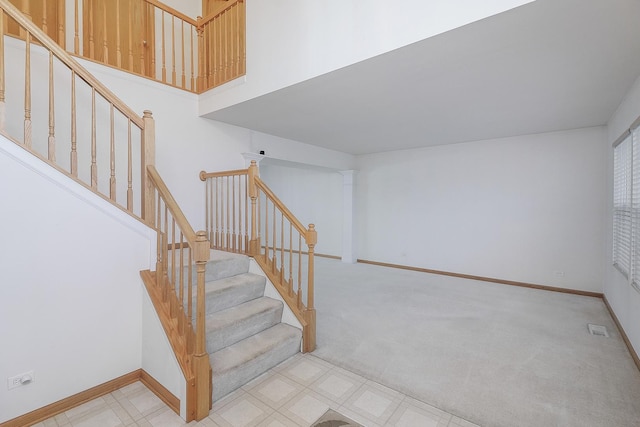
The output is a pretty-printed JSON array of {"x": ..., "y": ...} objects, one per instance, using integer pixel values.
[{"x": 245, "y": 335}]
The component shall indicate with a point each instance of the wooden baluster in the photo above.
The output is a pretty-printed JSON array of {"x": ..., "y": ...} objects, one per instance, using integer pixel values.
[
  {"x": 105, "y": 47},
  {"x": 92, "y": 49},
  {"x": 266, "y": 230},
  {"x": 211, "y": 52},
  {"x": 76, "y": 34},
  {"x": 2, "y": 73},
  {"x": 201, "y": 54},
  {"x": 173, "y": 52},
  {"x": 129, "y": 170},
  {"x": 74, "y": 138},
  {"x": 219, "y": 49},
  {"x": 228, "y": 218},
  {"x": 61, "y": 33},
  {"x": 274, "y": 266},
  {"x": 246, "y": 214},
  {"x": 233, "y": 207},
  {"x": 152, "y": 53},
  {"x": 243, "y": 33},
  {"x": 218, "y": 210},
  {"x": 190, "y": 302},
  {"x": 207, "y": 208},
  {"x": 159, "y": 272},
  {"x": 309, "y": 332},
  {"x": 130, "y": 36},
  {"x": 174, "y": 272},
  {"x": 45, "y": 27},
  {"x": 143, "y": 42},
  {"x": 118, "y": 52},
  {"x": 181, "y": 324},
  {"x": 290, "y": 283},
  {"x": 112, "y": 158},
  {"x": 94, "y": 167},
  {"x": 165, "y": 256},
  {"x": 299, "y": 294},
  {"x": 184, "y": 79},
  {"x": 27, "y": 92},
  {"x": 164, "y": 62},
  {"x": 27, "y": 11},
  {"x": 281, "y": 247},
  {"x": 253, "y": 195},
  {"x": 51, "y": 145},
  {"x": 193, "y": 81},
  {"x": 224, "y": 30}
]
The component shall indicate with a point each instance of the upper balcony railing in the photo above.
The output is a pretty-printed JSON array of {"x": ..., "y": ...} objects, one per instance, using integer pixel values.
[{"x": 148, "y": 38}]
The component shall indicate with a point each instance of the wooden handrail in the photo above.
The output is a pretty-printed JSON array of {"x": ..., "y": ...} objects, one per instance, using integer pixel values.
[
  {"x": 68, "y": 60},
  {"x": 213, "y": 15},
  {"x": 281, "y": 206},
  {"x": 204, "y": 175},
  {"x": 172, "y": 11},
  {"x": 172, "y": 205}
]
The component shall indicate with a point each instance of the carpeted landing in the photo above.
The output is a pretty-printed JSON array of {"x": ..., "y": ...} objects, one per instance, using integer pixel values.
[{"x": 496, "y": 355}]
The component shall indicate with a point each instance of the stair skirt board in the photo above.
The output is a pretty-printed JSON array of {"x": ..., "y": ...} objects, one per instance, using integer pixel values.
[{"x": 78, "y": 399}]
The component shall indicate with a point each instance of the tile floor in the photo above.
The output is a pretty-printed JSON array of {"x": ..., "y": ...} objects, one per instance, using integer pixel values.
[{"x": 294, "y": 393}]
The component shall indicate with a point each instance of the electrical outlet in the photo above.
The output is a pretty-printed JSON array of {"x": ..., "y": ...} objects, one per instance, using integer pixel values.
[{"x": 20, "y": 380}]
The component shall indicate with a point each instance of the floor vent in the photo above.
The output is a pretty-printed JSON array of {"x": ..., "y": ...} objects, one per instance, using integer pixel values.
[{"x": 598, "y": 330}]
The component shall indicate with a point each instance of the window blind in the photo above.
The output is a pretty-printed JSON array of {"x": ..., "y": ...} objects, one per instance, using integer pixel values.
[
  {"x": 635, "y": 206},
  {"x": 622, "y": 199}
]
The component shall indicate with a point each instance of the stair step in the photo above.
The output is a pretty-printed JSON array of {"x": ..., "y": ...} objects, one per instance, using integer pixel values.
[
  {"x": 234, "y": 324},
  {"x": 239, "y": 363},
  {"x": 221, "y": 265},
  {"x": 231, "y": 291}
]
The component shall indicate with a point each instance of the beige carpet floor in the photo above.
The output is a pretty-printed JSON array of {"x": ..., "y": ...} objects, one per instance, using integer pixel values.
[{"x": 496, "y": 355}]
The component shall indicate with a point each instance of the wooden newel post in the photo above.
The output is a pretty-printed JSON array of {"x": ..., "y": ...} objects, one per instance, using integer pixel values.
[
  {"x": 148, "y": 159},
  {"x": 309, "y": 332},
  {"x": 254, "y": 244},
  {"x": 201, "y": 366}
]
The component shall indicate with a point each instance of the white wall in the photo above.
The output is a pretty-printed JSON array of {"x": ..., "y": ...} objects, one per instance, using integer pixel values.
[
  {"x": 61, "y": 288},
  {"x": 314, "y": 196},
  {"x": 289, "y": 41},
  {"x": 528, "y": 208},
  {"x": 624, "y": 300}
]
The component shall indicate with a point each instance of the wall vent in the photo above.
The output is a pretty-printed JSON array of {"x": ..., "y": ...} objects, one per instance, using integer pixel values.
[{"x": 598, "y": 330}]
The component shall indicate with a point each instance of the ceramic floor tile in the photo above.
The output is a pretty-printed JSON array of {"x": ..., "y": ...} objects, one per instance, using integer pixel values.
[
  {"x": 336, "y": 386},
  {"x": 102, "y": 418},
  {"x": 219, "y": 404},
  {"x": 90, "y": 406},
  {"x": 307, "y": 407},
  {"x": 358, "y": 418},
  {"x": 244, "y": 411},
  {"x": 168, "y": 418},
  {"x": 304, "y": 371},
  {"x": 412, "y": 413},
  {"x": 62, "y": 419},
  {"x": 276, "y": 390},
  {"x": 206, "y": 422},
  {"x": 374, "y": 402},
  {"x": 145, "y": 401},
  {"x": 315, "y": 359},
  {"x": 279, "y": 420}
]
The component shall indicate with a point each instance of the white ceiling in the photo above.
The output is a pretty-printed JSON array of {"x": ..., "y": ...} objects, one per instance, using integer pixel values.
[{"x": 546, "y": 66}]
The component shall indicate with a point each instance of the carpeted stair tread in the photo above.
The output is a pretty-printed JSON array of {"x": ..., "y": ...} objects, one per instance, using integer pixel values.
[
  {"x": 234, "y": 324},
  {"x": 231, "y": 291},
  {"x": 239, "y": 363},
  {"x": 220, "y": 265}
]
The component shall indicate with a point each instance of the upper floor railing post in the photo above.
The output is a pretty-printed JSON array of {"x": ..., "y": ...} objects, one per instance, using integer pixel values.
[
  {"x": 148, "y": 159},
  {"x": 254, "y": 244}
]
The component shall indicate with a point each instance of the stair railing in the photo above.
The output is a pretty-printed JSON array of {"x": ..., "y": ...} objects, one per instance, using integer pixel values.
[
  {"x": 182, "y": 255},
  {"x": 103, "y": 145},
  {"x": 154, "y": 40},
  {"x": 244, "y": 216}
]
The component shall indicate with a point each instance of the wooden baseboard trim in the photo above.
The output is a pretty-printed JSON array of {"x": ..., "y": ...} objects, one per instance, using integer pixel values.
[
  {"x": 161, "y": 391},
  {"x": 70, "y": 402},
  {"x": 328, "y": 256},
  {"x": 625, "y": 338},
  {"x": 486, "y": 279}
]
